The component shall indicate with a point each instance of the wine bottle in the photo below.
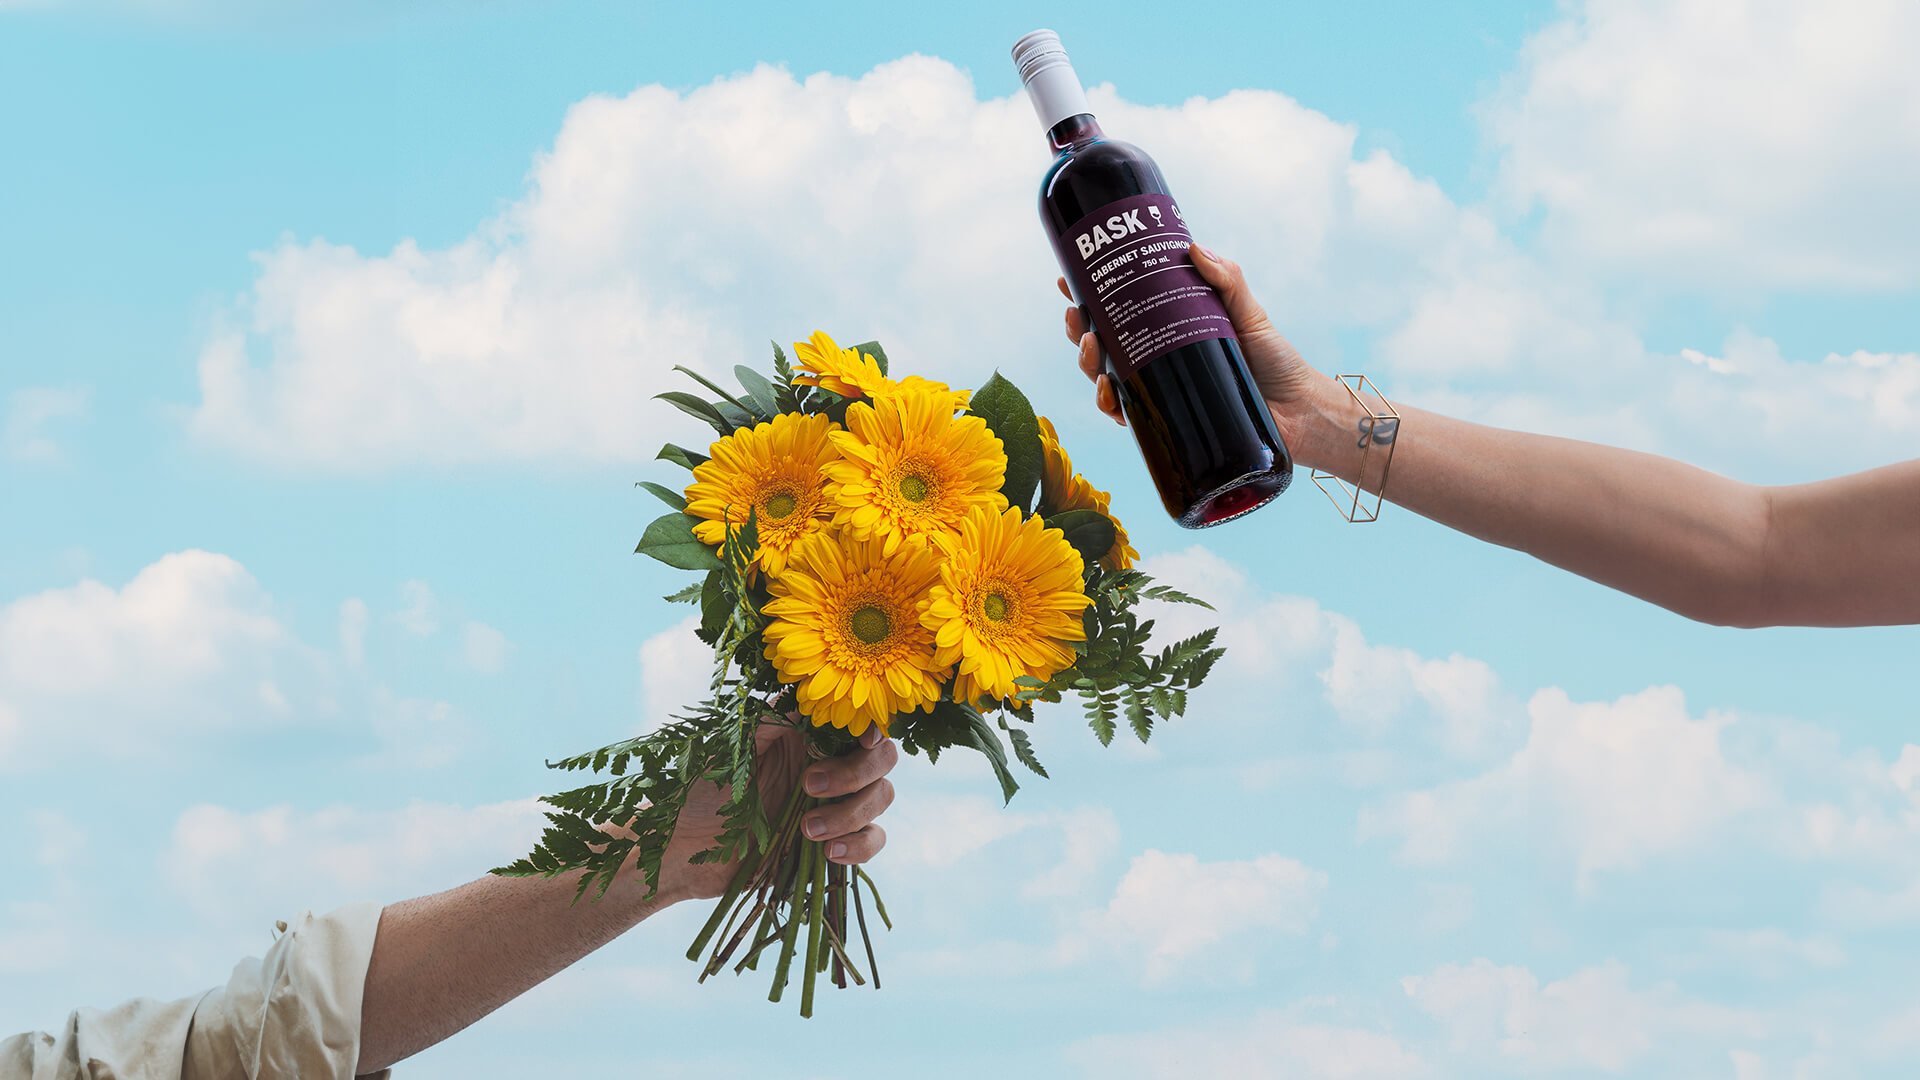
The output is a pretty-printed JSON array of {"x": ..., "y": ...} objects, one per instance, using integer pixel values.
[{"x": 1209, "y": 442}]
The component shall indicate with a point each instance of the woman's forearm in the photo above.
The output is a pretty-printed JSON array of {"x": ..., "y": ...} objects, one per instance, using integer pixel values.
[
  {"x": 1686, "y": 539},
  {"x": 442, "y": 962}
]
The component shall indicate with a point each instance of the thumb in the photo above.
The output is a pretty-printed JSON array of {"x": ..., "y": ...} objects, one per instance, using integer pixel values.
[{"x": 1225, "y": 277}]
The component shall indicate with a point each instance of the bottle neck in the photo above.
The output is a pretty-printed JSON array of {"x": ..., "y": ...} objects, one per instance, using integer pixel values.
[{"x": 1076, "y": 130}]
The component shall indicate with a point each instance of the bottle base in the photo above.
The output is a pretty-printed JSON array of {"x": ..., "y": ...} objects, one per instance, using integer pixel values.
[{"x": 1236, "y": 499}]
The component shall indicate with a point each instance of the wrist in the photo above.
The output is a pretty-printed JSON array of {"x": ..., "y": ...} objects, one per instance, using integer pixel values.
[{"x": 1320, "y": 424}]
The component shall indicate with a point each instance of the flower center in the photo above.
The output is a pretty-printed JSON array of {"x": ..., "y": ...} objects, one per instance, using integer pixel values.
[
  {"x": 914, "y": 488},
  {"x": 871, "y": 625},
  {"x": 780, "y": 505},
  {"x": 996, "y": 607}
]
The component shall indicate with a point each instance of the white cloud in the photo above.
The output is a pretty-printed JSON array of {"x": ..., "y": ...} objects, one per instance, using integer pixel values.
[
  {"x": 1869, "y": 401},
  {"x": 1274, "y": 641},
  {"x": 353, "y": 631},
  {"x": 933, "y": 831},
  {"x": 30, "y": 411},
  {"x": 1616, "y": 782},
  {"x": 246, "y": 867},
  {"x": 1771, "y": 952},
  {"x": 419, "y": 612},
  {"x": 35, "y": 939},
  {"x": 9, "y": 732},
  {"x": 1592, "y": 1019},
  {"x": 1721, "y": 143},
  {"x": 1867, "y": 819},
  {"x": 676, "y": 670},
  {"x": 1370, "y": 684},
  {"x": 1272, "y": 1043},
  {"x": 61, "y": 842},
  {"x": 417, "y": 733},
  {"x": 191, "y": 643},
  {"x": 1170, "y": 908},
  {"x": 1446, "y": 906},
  {"x": 483, "y": 648}
]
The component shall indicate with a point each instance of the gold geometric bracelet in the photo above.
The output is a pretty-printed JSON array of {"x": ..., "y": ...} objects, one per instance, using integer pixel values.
[{"x": 1380, "y": 426}]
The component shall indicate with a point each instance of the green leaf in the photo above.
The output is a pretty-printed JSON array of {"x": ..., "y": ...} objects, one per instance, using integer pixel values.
[
  {"x": 1089, "y": 531},
  {"x": 681, "y": 456},
  {"x": 1100, "y": 718},
  {"x": 713, "y": 386},
  {"x": 1138, "y": 717},
  {"x": 1023, "y": 749},
  {"x": 698, "y": 408},
  {"x": 982, "y": 737},
  {"x": 665, "y": 494},
  {"x": 683, "y": 596},
  {"x": 716, "y": 607},
  {"x": 1008, "y": 412},
  {"x": 670, "y": 539},
  {"x": 1173, "y": 596},
  {"x": 873, "y": 349},
  {"x": 759, "y": 391}
]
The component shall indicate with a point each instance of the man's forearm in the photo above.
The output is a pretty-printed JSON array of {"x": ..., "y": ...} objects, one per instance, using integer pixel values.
[
  {"x": 1678, "y": 536},
  {"x": 442, "y": 962}
]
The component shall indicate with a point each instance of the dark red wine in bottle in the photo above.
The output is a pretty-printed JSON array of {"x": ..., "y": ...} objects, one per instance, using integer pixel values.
[{"x": 1208, "y": 439}]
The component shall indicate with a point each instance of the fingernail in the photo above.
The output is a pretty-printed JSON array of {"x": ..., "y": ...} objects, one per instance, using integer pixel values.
[
  {"x": 814, "y": 828},
  {"x": 816, "y": 783},
  {"x": 837, "y": 850},
  {"x": 1205, "y": 252}
]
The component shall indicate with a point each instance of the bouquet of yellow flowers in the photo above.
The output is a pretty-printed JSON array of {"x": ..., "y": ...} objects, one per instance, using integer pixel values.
[{"x": 876, "y": 553}]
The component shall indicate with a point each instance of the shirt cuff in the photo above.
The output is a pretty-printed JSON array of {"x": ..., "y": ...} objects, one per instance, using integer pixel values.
[{"x": 293, "y": 1013}]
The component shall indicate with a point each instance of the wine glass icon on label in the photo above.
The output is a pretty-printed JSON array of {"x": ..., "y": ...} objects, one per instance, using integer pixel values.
[{"x": 1155, "y": 211}]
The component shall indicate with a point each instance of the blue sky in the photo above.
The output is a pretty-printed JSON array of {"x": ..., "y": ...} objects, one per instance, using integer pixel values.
[{"x": 329, "y": 334}]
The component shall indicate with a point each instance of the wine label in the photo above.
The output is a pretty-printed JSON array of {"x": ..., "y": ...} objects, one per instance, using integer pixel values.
[{"x": 1129, "y": 264}]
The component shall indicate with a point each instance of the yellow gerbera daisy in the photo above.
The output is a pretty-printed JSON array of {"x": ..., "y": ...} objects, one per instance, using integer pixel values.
[
  {"x": 853, "y": 374},
  {"x": 1063, "y": 489},
  {"x": 775, "y": 470},
  {"x": 1008, "y": 602},
  {"x": 960, "y": 398},
  {"x": 908, "y": 467},
  {"x": 847, "y": 372},
  {"x": 846, "y": 630}
]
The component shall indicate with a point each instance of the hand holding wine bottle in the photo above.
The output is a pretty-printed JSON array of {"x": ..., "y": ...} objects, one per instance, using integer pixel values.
[{"x": 1282, "y": 377}]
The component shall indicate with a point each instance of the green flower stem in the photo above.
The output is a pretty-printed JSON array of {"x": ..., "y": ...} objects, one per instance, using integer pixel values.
[
  {"x": 791, "y": 939},
  {"x": 816, "y": 896},
  {"x": 866, "y": 939}
]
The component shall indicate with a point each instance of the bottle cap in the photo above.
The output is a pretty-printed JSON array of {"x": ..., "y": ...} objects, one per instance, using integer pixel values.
[{"x": 1051, "y": 84}]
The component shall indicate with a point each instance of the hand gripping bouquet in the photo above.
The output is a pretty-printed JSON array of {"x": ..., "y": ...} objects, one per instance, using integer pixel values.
[{"x": 874, "y": 553}]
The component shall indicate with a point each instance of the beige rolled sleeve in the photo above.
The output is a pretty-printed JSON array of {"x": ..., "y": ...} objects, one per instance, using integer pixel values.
[{"x": 292, "y": 1013}]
